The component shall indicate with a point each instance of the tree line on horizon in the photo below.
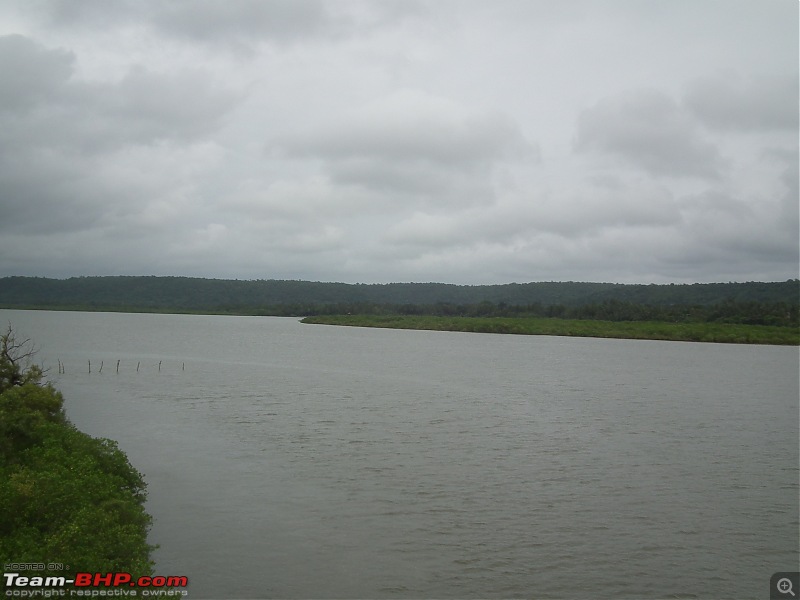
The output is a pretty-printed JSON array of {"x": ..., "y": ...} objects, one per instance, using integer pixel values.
[{"x": 770, "y": 303}]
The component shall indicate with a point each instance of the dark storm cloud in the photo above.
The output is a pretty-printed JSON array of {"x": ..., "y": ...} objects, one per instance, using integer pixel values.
[{"x": 648, "y": 129}]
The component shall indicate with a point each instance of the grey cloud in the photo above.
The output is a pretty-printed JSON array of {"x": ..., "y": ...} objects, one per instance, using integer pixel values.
[
  {"x": 790, "y": 206},
  {"x": 719, "y": 226},
  {"x": 399, "y": 139},
  {"x": 183, "y": 105},
  {"x": 648, "y": 129},
  {"x": 42, "y": 105},
  {"x": 584, "y": 212},
  {"x": 415, "y": 144},
  {"x": 43, "y": 193},
  {"x": 92, "y": 13},
  {"x": 48, "y": 191},
  {"x": 438, "y": 138},
  {"x": 408, "y": 176},
  {"x": 245, "y": 19},
  {"x": 143, "y": 107},
  {"x": 242, "y": 23},
  {"x": 69, "y": 155},
  {"x": 787, "y": 210},
  {"x": 732, "y": 103},
  {"x": 30, "y": 73}
]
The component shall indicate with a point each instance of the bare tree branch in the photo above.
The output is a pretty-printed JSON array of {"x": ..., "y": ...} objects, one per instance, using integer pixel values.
[{"x": 16, "y": 359}]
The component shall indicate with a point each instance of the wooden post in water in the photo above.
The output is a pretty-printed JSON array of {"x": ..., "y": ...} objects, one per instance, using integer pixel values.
[
  {"x": 183, "y": 366},
  {"x": 137, "y": 366},
  {"x": 117, "y": 366},
  {"x": 101, "y": 367},
  {"x": 90, "y": 366},
  {"x": 159, "y": 366}
]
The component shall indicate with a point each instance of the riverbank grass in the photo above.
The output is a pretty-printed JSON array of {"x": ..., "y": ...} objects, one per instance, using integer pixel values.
[{"x": 730, "y": 333}]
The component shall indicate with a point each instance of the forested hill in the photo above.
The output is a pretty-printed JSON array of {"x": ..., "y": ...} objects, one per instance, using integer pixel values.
[{"x": 305, "y": 297}]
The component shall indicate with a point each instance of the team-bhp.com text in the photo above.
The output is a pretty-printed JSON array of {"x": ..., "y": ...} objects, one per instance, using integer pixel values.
[{"x": 96, "y": 584}]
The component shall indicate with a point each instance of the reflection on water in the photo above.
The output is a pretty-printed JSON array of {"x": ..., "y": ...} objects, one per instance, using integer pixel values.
[{"x": 291, "y": 460}]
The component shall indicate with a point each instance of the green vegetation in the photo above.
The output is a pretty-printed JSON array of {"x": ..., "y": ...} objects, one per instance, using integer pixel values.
[
  {"x": 653, "y": 330},
  {"x": 752, "y": 312},
  {"x": 67, "y": 497},
  {"x": 295, "y": 298}
]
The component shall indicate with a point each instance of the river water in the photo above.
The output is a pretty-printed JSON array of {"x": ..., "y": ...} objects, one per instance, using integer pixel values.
[{"x": 306, "y": 461}]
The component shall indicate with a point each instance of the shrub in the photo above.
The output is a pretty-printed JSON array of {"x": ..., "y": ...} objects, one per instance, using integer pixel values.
[{"x": 67, "y": 497}]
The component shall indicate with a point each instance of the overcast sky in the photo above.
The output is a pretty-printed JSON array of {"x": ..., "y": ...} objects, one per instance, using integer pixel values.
[{"x": 460, "y": 141}]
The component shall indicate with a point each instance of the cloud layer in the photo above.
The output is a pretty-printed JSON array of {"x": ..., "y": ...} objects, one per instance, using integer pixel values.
[{"x": 457, "y": 141}]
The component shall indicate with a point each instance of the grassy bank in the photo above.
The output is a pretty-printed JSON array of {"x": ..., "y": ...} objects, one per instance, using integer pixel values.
[{"x": 646, "y": 330}]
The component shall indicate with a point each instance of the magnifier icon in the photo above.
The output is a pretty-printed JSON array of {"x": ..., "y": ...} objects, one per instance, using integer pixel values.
[{"x": 784, "y": 586}]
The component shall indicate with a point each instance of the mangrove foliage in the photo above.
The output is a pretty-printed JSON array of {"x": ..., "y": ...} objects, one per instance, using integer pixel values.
[
  {"x": 651, "y": 330},
  {"x": 68, "y": 499}
]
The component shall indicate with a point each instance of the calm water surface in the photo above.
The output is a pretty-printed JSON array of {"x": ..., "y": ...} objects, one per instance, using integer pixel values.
[{"x": 306, "y": 461}]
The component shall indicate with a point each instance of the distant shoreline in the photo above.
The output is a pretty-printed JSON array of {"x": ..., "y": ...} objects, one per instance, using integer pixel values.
[{"x": 725, "y": 333}]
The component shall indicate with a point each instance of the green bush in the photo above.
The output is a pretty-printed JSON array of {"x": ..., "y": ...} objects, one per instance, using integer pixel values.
[{"x": 67, "y": 497}]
